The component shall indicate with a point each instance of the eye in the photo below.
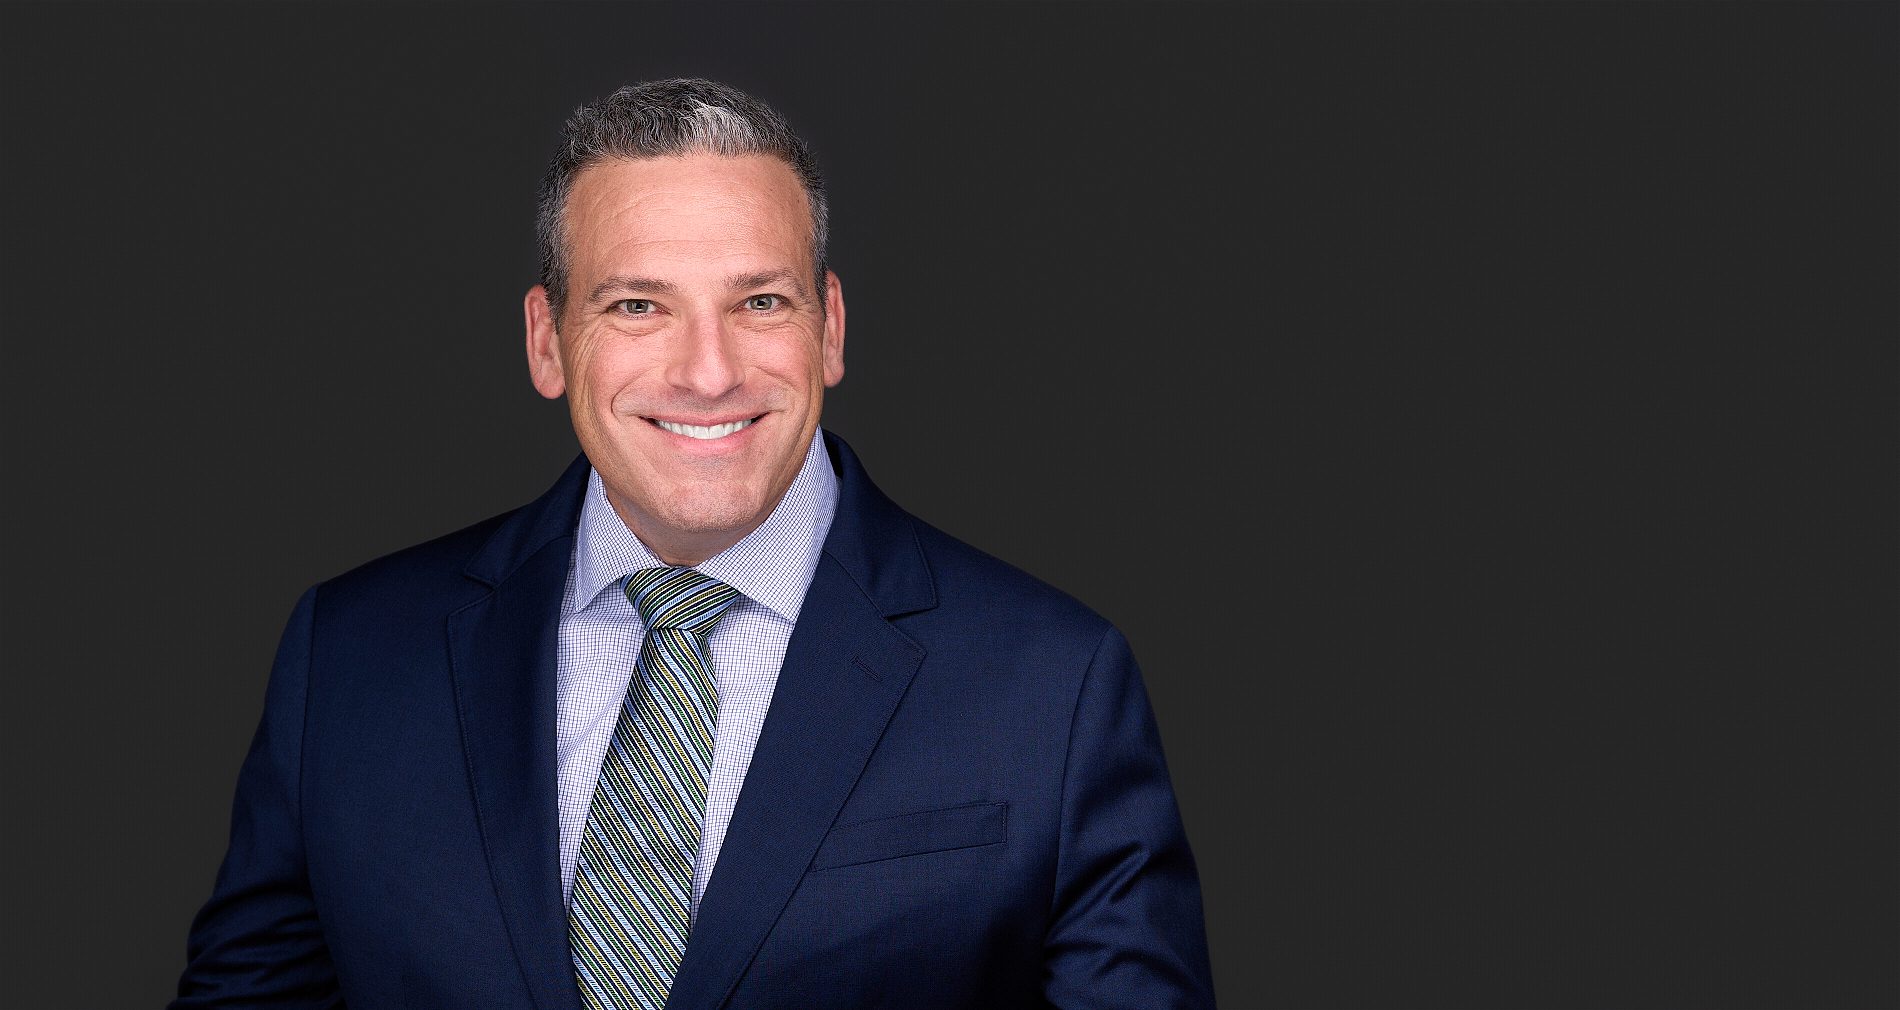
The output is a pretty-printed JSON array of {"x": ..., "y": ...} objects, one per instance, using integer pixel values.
[
  {"x": 763, "y": 303},
  {"x": 634, "y": 306}
]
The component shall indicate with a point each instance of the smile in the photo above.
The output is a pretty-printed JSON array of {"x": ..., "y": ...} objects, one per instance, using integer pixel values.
[{"x": 704, "y": 431}]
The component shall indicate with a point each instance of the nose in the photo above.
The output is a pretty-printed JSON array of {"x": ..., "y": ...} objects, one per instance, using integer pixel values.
[{"x": 705, "y": 359}]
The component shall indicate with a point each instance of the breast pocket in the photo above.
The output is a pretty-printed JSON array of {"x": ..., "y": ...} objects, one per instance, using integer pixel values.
[{"x": 913, "y": 834}]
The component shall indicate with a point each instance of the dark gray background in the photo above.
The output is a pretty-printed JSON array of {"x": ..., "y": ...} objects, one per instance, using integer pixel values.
[{"x": 1520, "y": 378}]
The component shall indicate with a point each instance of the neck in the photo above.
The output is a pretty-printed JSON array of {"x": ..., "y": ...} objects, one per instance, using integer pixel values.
[
  {"x": 682, "y": 548},
  {"x": 687, "y": 554}
]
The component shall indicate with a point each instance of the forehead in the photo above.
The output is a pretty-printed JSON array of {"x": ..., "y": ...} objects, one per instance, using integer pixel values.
[{"x": 673, "y": 206}]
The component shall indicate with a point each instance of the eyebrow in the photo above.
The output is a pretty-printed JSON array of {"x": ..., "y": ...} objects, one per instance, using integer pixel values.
[
  {"x": 762, "y": 278},
  {"x": 766, "y": 278},
  {"x": 613, "y": 284}
]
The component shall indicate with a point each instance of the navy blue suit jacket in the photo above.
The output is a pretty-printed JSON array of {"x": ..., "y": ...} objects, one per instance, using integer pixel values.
[{"x": 958, "y": 797}]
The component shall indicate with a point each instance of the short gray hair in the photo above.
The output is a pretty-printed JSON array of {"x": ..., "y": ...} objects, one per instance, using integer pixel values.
[{"x": 658, "y": 119}]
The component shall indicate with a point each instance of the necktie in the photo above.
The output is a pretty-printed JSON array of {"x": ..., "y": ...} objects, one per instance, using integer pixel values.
[{"x": 633, "y": 884}]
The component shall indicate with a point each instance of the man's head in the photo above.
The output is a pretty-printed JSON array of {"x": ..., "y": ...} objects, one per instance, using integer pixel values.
[
  {"x": 661, "y": 119},
  {"x": 685, "y": 309}
]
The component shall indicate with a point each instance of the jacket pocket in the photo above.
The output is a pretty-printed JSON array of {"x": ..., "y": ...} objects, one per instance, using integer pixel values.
[{"x": 913, "y": 834}]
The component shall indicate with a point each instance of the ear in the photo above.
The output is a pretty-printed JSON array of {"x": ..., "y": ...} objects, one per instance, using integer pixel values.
[
  {"x": 834, "y": 330},
  {"x": 544, "y": 344}
]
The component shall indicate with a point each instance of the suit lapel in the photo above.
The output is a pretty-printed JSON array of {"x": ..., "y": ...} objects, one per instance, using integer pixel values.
[
  {"x": 502, "y": 652},
  {"x": 846, "y": 668}
]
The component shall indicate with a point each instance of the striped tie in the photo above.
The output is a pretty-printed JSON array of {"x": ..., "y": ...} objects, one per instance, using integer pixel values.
[{"x": 633, "y": 885}]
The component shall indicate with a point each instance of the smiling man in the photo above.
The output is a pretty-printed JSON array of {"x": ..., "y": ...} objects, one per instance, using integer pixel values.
[
  {"x": 713, "y": 722},
  {"x": 696, "y": 352}
]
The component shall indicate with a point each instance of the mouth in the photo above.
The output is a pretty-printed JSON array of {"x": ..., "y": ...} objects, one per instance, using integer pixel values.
[{"x": 705, "y": 432}]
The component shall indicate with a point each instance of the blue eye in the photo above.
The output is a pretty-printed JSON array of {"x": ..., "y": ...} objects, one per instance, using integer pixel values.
[
  {"x": 634, "y": 306},
  {"x": 763, "y": 303}
]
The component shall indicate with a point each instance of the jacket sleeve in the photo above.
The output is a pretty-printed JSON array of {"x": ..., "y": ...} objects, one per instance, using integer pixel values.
[
  {"x": 1126, "y": 927},
  {"x": 257, "y": 942}
]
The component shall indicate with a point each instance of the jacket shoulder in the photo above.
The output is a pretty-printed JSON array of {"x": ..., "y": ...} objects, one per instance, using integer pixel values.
[
  {"x": 462, "y": 566},
  {"x": 421, "y": 576},
  {"x": 971, "y": 580}
]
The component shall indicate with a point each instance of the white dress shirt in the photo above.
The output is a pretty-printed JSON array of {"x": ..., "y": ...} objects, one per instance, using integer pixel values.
[{"x": 600, "y": 637}]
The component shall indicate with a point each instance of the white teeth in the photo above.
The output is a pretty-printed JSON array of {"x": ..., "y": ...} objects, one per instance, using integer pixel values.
[{"x": 704, "y": 431}]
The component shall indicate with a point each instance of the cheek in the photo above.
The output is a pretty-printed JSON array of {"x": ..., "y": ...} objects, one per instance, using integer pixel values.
[
  {"x": 577, "y": 357},
  {"x": 799, "y": 364},
  {"x": 598, "y": 375}
]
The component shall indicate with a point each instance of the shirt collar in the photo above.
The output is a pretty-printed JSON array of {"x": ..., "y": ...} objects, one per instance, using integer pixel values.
[{"x": 771, "y": 565}]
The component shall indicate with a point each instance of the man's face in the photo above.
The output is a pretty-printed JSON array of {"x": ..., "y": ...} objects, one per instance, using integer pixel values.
[{"x": 692, "y": 349}]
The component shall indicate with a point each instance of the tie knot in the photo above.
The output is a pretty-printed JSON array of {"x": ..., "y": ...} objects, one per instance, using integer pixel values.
[{"x": 679, "y": 598}]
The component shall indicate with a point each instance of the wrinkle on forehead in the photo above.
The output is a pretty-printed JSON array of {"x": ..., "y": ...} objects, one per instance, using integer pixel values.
[{"x": 694, "y": 208}]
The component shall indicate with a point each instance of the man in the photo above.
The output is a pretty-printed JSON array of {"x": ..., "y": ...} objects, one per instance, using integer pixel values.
[{"x": 713, "y": 722}]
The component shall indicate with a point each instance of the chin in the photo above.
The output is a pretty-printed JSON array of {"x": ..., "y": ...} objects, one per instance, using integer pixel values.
[{"x": 696, "y": 511}]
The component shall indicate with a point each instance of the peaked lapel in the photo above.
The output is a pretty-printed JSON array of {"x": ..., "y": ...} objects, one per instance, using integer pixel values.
[
  {"x": 845, "y": 670},
  {"x": 503, "y": 650}
]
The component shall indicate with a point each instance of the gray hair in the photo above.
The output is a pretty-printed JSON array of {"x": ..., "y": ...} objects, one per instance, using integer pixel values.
[{"x": 658, "y": 119}]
